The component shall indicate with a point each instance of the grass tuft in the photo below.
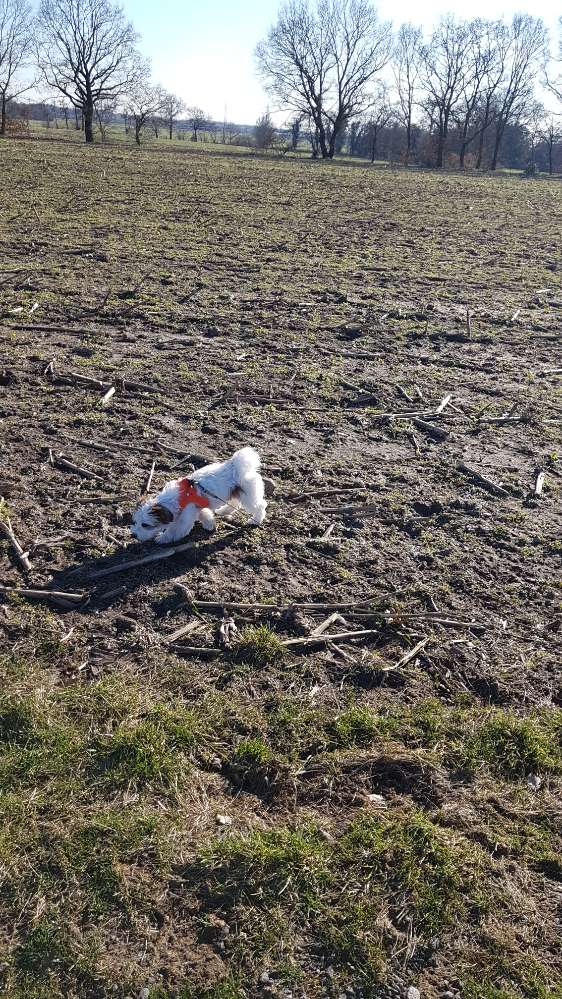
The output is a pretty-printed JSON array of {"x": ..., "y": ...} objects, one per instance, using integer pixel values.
[
  {"x": 514, "y": 747},
  {"x": 259, "y": 646}
]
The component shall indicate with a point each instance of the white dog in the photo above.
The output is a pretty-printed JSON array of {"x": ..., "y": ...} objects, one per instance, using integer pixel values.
[{"x": 218, "y": 488}]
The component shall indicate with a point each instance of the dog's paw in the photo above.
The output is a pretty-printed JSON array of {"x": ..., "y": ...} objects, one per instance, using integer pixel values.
[{"x": 259, "y": 517}]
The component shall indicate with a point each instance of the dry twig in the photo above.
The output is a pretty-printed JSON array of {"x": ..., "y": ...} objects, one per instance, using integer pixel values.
[
  {"x": 21, "y": 556},
  {"x": 487, "y": 484},
  {"x": 73, "y": 598}
]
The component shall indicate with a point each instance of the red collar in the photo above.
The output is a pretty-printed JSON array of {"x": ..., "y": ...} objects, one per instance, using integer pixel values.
[{"x": 188, "y": 494}]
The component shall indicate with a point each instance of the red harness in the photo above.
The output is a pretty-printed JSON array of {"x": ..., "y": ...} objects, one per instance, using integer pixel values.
[{"x": 188, "y": 494}]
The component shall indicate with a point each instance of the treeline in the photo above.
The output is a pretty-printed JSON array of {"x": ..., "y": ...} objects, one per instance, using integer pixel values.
[
  {"x": 468, "y": 93},
  {"x": 466, "y": 90},
  {"x": 197, "y": 126}
]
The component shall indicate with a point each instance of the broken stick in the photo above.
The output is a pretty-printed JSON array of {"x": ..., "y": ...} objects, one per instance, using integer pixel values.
[
  {"x": 314, "y": 639},
  {"x": 108, "y": 396},
  {"x": 412, "y": 653},
  {"x": 444, "y": 402},
  {"x": 539, "y": 484},
  {"x": 73, "y": 598},
  {"x": 432, "y": 431},
  {"x": 148, "y": 482},
  {"x": 186, "y": 629},
  {"x": 133, "y": 563},
  {"x": 487, "y": 484},
  {"x": 21, "y": 556},
  {"x": 321, "y": 628},
  {"x": 60, "y": 462}
]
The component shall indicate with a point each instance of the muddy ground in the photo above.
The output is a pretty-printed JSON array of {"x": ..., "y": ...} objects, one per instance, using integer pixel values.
[{"x": 315, "y": 312}]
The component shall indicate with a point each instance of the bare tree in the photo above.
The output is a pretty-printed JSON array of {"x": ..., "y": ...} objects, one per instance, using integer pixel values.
[
  {"x": 361, "y": 47},
  {"x": 16, "y": 36},
  {"x": 446, "y": 71},
  {"x": 381, "y": 114},
  {"x": 295, "y": 126},
  {"x": 173, "y": 106},
  {"x": 527, "y": 44},
  {"x": 198, "y": 120},
  {"x": 487, "y": 57},
  {"x": 86, "y": 51},
  {"x": 535, "y": 122},
  {"x": 230, "y": 133},
  {"x": 407, "y": 58},
  {"x": 319, "y": 62},
  {"x": 555, "y": 83},
  {"x": 551, "y": 135},
  {"x": 144, "y": 101},
  {"x": 104, "y": 111},
  {"x": 264, "y": 131}
]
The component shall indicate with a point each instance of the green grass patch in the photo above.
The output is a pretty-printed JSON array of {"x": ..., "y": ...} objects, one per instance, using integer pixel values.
[
  {"x": 513, "y": 747},
  {"x": 258, "y": 646}
]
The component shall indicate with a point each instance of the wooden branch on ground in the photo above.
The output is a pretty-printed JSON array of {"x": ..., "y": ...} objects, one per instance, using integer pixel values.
[
  {"x": 135, "y": 562},
  {"x": 72, "y": 377},
  {"x": 148, "y": 482},
  {"x": 21, "y": 556},
  {"x": 502, "y": 419},
  {"x": 403, "y": 618},
  {"x": 339, "y": 636},
  {"x": 108, "y": 397},
  {"x": 444, "y": 402},
  {"x": 404, "y": 394},
  {"x": 84, "y": 379},
  {"x": 327, "y": 532},
  {"x": 487, "y": 484},
  {"x": 358, "y": 508},
  {"x": 186, "y": 629},
  {"x": 432, "y": 431},
  {"x": 539, "y": 484},
  {"x": 412, "y": 653},
  {"x": 71, "y": 598},
  {"x": 61, "y": 462},
  {"x": 194, "y": 650},
  {"x": 327, "y": 491},
  {"x": 321, "y": 628},
  {"x": 415, "y": 442},
  {"x": 237, "y": 605},
  {"x": 114, "y": 498}
]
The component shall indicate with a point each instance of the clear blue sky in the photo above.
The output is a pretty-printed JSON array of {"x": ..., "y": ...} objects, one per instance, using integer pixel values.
[{"x": 203, "y": 51}]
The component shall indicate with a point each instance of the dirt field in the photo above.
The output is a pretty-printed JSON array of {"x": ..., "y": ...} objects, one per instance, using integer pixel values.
[{"x": 221, "y": 815}]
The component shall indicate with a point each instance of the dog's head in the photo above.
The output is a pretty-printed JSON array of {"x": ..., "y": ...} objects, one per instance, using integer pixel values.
[{"x": 149, "y": 520}]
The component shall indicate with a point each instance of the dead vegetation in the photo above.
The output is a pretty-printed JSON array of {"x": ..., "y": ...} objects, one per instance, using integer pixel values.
[{"x": 322, "y": 758}]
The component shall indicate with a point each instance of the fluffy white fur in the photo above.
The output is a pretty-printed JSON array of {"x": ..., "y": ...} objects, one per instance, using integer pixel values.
[{"x": 226, "y": 485}]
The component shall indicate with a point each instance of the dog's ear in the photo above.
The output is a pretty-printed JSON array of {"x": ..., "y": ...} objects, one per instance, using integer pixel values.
[{"x": 162, "y": 513}]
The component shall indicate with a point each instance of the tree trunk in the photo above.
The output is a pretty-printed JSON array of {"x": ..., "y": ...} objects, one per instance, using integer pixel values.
[
  {"x": 324, "y": 148},
  {"x": 497, "y": 144},
  {"x": 89, "y": 121},
  {"x": 550, "y": 159},
  {"x": 138, "y": 133},
  {"x": 481, "y": 148},
  {"x": 440, "y": 150},
  {"x": 408, "y": 141},
  {"x": 171, "y": 127},
  {"x": 3, "y": 115},
  {"x": 374, "y": 145}
]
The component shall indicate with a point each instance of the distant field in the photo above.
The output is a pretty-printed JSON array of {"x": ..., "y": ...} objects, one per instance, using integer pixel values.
[{"x": 337, "y": 818}]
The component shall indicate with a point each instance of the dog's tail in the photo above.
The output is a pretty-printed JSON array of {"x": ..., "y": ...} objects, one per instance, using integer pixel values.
[{"x": 245, "y": 462}]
